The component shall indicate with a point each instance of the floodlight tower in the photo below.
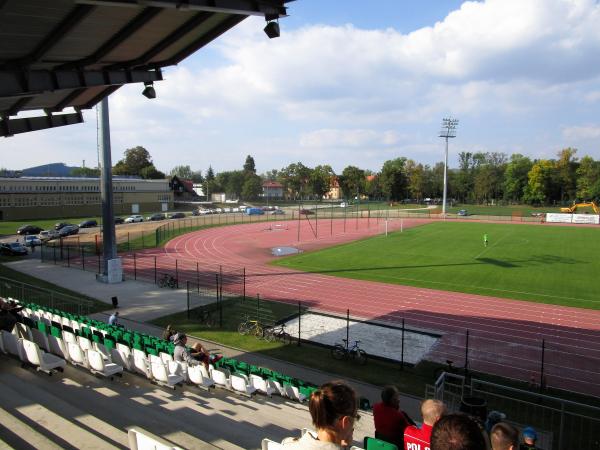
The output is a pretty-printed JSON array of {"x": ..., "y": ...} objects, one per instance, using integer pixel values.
[{"x": 448, "y": 131}]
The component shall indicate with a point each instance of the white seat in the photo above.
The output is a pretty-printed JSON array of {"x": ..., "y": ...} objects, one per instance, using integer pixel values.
[
  {"x": 22, "y": 331},
  {"x": 40, "y": 339},
  {"x": 162, "y": 377},
  {"x": 101, "y": 348},
  {"x": 299, "y": 396},
  {"x": 2, "y": 349},
  {"x": 166, "y": 358},
  {"x": 262, "y": 385},
  {"x": 43, "y": 361},
  {"x": 69, "y": 338},
  {"x": 141, "y": 364},
  {"x": 196, "y": 376},
  {"x": 239, "y": 383},
  {"x": 122, "y": 356},
  {"x": 220, "y": 378},
  {"x": 57, "y": 347},
  {"x": 277, "y": 385},
  {"x": 84, "y": 343},
  {"x": 268, "y": 444},
  {"x": 11, "y": 345},
  {"x": 77, "y": 356},
  {"x": 65, "y": 321},
  {"x": 98, "y": 365},
  {"x": 293, "y": 393}
]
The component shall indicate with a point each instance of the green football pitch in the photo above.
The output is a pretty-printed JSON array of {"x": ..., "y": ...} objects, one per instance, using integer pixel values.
[{"x": 547, "y": 264}]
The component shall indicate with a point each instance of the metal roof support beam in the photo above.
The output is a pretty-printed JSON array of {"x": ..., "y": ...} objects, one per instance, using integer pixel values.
[
  {"x": 9, "y": 127},
  {"x": 105, "y": 93},
  {"x": 18, "y": 83},
  {"x": 243, "y": 7},
  {"x": 127, "y": 31}
]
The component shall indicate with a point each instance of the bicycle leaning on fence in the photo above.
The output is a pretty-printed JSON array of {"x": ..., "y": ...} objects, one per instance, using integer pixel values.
[
  {"x": 343, "y": 351},
  {"x": 167, "y": 281},
  {"x": 277, "y": 333},
  {"x": 251, "y": 327}
]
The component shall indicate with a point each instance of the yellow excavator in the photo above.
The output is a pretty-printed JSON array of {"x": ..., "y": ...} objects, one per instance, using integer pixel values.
[{"x": 573, "y": 209}]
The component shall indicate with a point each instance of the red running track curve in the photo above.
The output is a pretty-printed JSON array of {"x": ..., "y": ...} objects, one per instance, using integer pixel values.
[{"x": 505, "y": 336}]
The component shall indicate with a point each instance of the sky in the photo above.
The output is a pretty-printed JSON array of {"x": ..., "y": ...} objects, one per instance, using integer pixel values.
[{"x": 358, "y": 83}]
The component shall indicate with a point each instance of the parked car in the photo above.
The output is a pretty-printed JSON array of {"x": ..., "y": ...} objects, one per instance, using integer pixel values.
[
  {"x": 32, "y": 241},
  {"x": 195, "y": 212},
  {"x": 48, "y": 235},
  {"x": 60, "y": 225},
  {"x": 68, "y": 230},
  {"x": 28, "y": 229},
  {"x": 277, "y": 212},
  {"x": 134, "y": 218},
  {"x": 88, "y": 224},
  {"x": 254, "y": 212},
  {"x": 157, "y": 216},
  {"x": 463, "y": 212},
  {"x": 119, "y": 220},
  {"x": 343, "y": 205},
  {"x": 306, "y": 212},
  {"x": 12, "y": 249},
  {"x": 177, "y": 215}
]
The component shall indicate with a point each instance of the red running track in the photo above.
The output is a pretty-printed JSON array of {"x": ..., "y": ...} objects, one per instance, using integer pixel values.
[{"x": 505, "y": 336}]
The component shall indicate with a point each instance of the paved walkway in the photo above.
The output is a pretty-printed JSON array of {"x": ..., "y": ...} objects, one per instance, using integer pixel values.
[{"x": 140, "y": 302}]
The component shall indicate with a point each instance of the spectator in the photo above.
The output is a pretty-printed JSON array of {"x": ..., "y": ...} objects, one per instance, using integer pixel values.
[
  {"x": 8, "y": 315},
  {"x": 529, "y": 438},
  {"x": 493, "y": 418},
  {"x": 504, "y": 436},
  {"x": 191, "y": 357},
  {"x": 114, "y": 318},
  {"x": 418, "y": 439},
  {"x": 390, "y": 420},
  {"x": 333, "y": 410},
  {"x": 169, "y": 333},
  {"x": 457, "y": 432}
]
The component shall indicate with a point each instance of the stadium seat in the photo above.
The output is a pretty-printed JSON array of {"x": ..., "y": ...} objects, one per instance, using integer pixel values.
[
  {"x": 277, "y": 385},
  {"x": 377, "y": 444},
  {"x": 11, "y": 345},
  {"x": 44, "y": 362},
  {"x": 98, "y": 365},
  {"x": 121, "y": 355},
  {"x": 22, "y": 331},
  {"x": 196, "y": 377},
  {"x": 77, "y": 356},
  {"x": 162, "y": 377},
  {"x": 141, "y": 364},
  {"x": 263, "y": 385},
  {"x": 239, "y": 383},
  {"x": 140, "y": 439},
  {"x": 221, "y": 379},
  {"x": 41, "y": 339},
  {"x": 2, "y": 349},
  {"x": 268, "y": 444},
  {"x": 293, "y": 393}
]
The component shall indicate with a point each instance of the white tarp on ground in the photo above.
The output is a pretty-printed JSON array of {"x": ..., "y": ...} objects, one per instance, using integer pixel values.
[
  {"x": 375, "y": 340},
  {"x": 573, "y": 218}
]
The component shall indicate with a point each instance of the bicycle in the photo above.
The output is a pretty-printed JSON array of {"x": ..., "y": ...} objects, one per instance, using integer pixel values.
[
  {"x": 340, "y": 351},
  {"x": 167, "y": 281},
  {"x": 277, "y": 333},
  {"x": 251, "y": 327}
]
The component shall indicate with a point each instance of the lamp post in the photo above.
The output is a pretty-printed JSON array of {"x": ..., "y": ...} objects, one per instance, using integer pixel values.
[{"x": 448, "y": 131}]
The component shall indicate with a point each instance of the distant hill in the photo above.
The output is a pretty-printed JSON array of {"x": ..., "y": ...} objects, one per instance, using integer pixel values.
[{"x": 48, "y": 170}]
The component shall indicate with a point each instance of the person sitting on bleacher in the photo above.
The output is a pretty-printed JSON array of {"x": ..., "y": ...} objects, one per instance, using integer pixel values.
[
  {"x": 503, "y": 436},
  {"x": 418, "y": 438},
  {"x": 529, "y": 438},
  {"x": 169, "y": 333},
  {"x": 8, "y": 314},
  {"x": 458, "y": 432},
  {"x": 333, "y": 409},
  {"x": 182, "y": 354},
  {"x": 390, "y": 420}
]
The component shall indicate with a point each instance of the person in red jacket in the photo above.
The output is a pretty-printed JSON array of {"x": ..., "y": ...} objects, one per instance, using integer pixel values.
[
  {"x": 390, "y": 420},
  {"x": 419, "y": 438}
]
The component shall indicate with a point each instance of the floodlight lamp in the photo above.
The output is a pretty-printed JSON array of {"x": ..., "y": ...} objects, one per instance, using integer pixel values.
[
  {"x": 149, "y": 91},
  {"x": 272, "y": 30}
]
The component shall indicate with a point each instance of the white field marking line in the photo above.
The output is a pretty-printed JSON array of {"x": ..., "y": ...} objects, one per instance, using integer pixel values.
[{"x": 493, "y": 245}]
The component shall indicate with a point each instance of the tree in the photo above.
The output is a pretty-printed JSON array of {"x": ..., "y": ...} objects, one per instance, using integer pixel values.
[
  {"x": 540, "y": 182},
  {"x": 135, "y": 160},
  {"x": 588, "y": 179},
  {"x": 87, "y": 172},
  {"x": 249, "y": 166},
  {"x": 320, "y": 180},
  {"x": 516, "y": 178},
  {"x": 566, "y": 167},
  {"x": 373, "y": 187},
  {"x": 462, "y": 187},
  {"x": 416, "y": 180},
  {"x": 352, "y": 182},
  {"x": 182, "y": 172},
  {"x": 209, "y": 182},
  {"x": 295, "y": 179},
  {"x": 252, "y": 187},
  {"x": 151, "y": 173},
  {"x": 197, "y": 177},
  {"x": 393, "y": 179},
  {"x": 231, "y": 182}
]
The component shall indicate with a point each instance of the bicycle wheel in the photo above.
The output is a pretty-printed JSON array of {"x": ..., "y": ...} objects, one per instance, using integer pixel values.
[
  {"x": 285, "y": 337},
  {"x": 258, "y": 331},
  {"x": 269, "y": 335},
  {"x": 243, "y": 328},
  {"x": 360, "y": 356},
  {"x": 338, "y": 351}
]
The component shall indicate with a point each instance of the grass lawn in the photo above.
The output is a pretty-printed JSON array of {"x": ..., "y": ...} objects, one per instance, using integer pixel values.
[{"x": 546, "y": 264}]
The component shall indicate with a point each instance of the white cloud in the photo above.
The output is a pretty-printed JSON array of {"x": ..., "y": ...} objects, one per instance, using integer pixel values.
[
  {"x": 329, "y": 138},
  {"x": 584, "y": 132}
]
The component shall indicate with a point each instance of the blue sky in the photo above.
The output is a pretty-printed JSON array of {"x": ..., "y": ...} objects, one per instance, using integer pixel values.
[{"x": 359, "y": 82}]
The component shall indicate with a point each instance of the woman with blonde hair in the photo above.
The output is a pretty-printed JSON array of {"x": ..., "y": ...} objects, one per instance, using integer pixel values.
[{"x": 333, "y": 409}]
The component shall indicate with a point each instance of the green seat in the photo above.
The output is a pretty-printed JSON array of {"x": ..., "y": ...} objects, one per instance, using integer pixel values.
[
  {"x": 56, "y": 332},
  {"x": 151, "y": 351},
  {"x": 377, "y": 444},
  {"x": 42, "y": 327}
]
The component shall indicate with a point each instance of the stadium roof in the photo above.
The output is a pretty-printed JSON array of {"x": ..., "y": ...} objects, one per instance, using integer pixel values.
[{"x": 72, "y": 53}]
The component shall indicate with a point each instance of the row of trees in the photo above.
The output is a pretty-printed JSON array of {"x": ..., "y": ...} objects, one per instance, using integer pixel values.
[{"x": 481, "y": 177}]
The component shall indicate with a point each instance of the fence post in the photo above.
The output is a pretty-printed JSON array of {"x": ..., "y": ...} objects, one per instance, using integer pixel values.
[
  {"x": 68, "y": 256},
  {"x": 347, "y": 329},
  {"x": 198, "y": 276},
  {"x": 155, "y": 270},
  {"x": 299, "y": 318},
  {"x": 134, "y": 267},
  {"x": 402, "y": 352},
  {"x": 143, "y": 246},
  {"x": 54, "y": 253},
  {"x": 244, "y": 288},
  {"x": 128, "y": 245},
  {"x": 177, "y": 273},
  {"x": 99, "y": 268},
  {"x": 187, "y": 284},
  {"x": 82, "y": 258},
  {"x": 542, "y": 366},
  {"x": 257, "y": 306},
  {"x": 467, "y": 354}
]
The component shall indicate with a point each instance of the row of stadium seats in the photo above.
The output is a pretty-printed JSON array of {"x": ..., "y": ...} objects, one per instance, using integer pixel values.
[{"x": 107, "y": 350}]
